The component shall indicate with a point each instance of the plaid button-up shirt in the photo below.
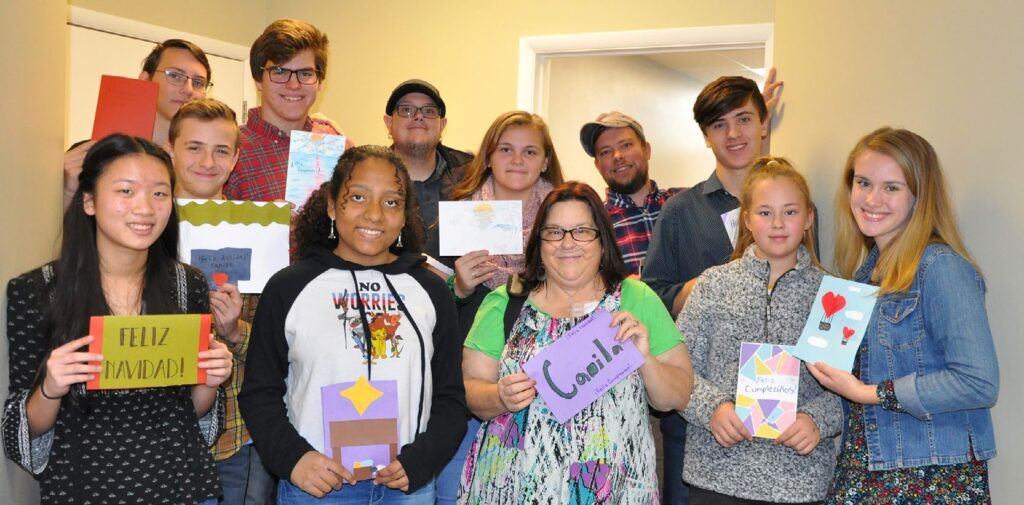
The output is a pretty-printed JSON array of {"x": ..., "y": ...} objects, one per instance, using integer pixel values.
[
  {"x": 262, "y": 168},
  {"x": 633, "y": 224},
  {"x": 235, "y": 434}
]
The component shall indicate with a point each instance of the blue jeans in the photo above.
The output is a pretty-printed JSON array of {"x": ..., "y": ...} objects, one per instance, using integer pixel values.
[
  {"x": 673, "y": 436},
  {"x": 244, "y": 479},
  {"x": 450, "y": 477},
  {"x": 363, "y": 492}
]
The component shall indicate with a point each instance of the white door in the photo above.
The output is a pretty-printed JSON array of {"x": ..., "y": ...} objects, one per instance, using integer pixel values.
[{"x": 103, "y": 45}]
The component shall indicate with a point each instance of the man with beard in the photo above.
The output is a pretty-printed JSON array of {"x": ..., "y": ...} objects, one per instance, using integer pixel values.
[
  {"x": 621, "y": 153},
  {"x": 415, "y": 117}
]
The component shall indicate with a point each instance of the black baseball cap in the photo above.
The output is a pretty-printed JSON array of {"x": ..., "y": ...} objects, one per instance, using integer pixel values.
[{"x": 414, "y": 86}]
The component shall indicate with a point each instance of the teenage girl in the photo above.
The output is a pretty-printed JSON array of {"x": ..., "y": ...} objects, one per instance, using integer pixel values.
[
  {"x": 919, "y": 427},
  {"x": 118, "y": 257},
  {"x": 359, "y": 305},
  {"x": 517, "y": 161},
  {"x": 763, "y": 295}
]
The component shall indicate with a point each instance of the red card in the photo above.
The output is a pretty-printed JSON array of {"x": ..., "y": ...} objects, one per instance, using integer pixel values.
[{"x": 125, "y": 105}]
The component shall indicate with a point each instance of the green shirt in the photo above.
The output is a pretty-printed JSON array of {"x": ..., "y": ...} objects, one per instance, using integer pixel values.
[{"x": 488, "y": 332}]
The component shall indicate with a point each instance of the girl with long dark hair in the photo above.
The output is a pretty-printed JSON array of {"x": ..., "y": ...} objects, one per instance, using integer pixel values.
[{"x": 118, "y": 257}]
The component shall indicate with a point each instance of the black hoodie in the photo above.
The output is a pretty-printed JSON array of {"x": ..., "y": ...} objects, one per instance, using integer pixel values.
[{"x": 309, "y": 331}]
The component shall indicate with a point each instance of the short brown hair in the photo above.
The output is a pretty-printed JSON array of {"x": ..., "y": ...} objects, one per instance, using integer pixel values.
[
  {"x": 205, "y": 110},
  {"x": 723, "y": 95},
  {"x": 151, "y": 61},
  {"x": 282, "y": 39},
  {"x": 611, "y": 269}
]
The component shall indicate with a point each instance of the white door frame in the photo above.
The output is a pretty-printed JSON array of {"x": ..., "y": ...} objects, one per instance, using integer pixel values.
[{"x": 533, "y": 51}]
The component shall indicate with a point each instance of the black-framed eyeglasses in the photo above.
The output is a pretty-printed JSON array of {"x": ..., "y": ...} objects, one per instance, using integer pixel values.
[
  {"x": 282, "y": 75},
  {"x": 579, "y": 233},
  {"x": 179, "y": 79},
  {"x": 428, "y": 111}
]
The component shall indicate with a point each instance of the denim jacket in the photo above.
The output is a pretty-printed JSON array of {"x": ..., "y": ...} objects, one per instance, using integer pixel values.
[{"x": 934, "y": 342}]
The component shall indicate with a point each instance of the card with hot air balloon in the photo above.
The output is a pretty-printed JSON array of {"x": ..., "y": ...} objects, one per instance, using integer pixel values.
[{"x": 836, "y": 324}]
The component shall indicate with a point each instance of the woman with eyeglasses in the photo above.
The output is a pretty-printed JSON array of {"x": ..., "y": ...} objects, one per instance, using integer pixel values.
[{"x": 604, "y": 453}]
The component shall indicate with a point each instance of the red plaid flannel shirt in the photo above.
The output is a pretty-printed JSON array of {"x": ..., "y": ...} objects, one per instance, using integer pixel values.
[
  {"x": 634, "y": 225},
  {"x": 262, "y": 167}
]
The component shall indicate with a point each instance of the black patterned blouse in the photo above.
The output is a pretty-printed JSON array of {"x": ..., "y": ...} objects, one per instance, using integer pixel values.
[{"x": 131, "y": 446}]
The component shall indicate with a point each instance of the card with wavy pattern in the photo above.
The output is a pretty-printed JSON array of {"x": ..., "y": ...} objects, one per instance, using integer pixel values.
[{"x": 242, "y": 243}]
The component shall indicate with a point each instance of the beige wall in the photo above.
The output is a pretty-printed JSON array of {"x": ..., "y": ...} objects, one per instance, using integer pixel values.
[
  {"x": 31, "y": 138},
  {"x": 945, "y": 68},
  {"x": 237, "y": 21},
  {"x": 469, "y": 50},
  {"x": 948, "y": 70}
]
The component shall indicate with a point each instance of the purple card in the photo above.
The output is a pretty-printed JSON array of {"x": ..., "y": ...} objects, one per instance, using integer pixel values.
[
  {"x": 361, "y": 424},
  {"x": 581, "y": 365}
]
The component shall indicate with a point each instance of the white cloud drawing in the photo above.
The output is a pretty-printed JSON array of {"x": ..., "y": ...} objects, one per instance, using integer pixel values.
[
  {"x": 854, "y": 315},
  {"x": 855, "y": 289},
  {"x": 818, "y": 342}
]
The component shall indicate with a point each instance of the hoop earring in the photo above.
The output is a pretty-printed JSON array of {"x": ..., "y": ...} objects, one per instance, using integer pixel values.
[
  {"x": 332, "y": 235},
  {"x": 399, "y": 244},
  {"x": 542, "y": 275}
]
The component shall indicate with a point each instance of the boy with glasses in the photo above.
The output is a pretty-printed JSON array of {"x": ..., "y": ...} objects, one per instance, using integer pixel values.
[
  {"x": 415, "y": 117},
  {"x": 183, "y": 73},
  {"x": 288, "y": 62}
]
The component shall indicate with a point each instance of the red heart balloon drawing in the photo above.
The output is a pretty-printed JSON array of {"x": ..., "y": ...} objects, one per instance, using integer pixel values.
[
  {"x": 832, "y": 303},
  {"x": 219, "y": 278},
  {"x": 847, "y": 333}
]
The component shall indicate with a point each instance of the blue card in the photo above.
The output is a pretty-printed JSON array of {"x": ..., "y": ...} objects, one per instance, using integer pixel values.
[
  {"x": 228, "y": 264},
  {"x": 840, "y": 314}
]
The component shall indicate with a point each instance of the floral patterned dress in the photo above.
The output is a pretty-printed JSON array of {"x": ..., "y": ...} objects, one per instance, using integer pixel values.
[
  {"x": 604, "y": 454},
  {"x": 854, "y": 484}
]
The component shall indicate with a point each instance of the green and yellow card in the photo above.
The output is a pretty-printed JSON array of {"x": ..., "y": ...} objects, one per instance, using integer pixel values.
[{"x": 149, "y": 351}]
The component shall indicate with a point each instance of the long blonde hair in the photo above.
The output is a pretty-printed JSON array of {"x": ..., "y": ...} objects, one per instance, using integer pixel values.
[
  {"x": 932, "y": 218},
  {"x": 480, "y": 167},
  {"x": 767, "y": 168}
]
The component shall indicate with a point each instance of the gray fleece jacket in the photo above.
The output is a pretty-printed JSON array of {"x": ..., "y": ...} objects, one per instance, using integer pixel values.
[{"x": 731, "y": 304}]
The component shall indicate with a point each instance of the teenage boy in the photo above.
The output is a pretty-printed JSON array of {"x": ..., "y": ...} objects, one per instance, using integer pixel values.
[
  {"x": 203, "y": 142},
  {"x": 415, "y": 117},
  {"x": 288, "y": 62},
  {"x": 697, "y": 227},
  {"x": 621, "y": 154},
  {"x": 182, "y": 71}
]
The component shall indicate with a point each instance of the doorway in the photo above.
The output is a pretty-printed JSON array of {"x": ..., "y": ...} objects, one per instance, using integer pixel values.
[{"x": 652, "y": 75}]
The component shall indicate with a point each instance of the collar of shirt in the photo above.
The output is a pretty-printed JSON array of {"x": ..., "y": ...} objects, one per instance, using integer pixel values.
[
  {"x": 263, "y": 128},
  {"x": 623, "y": 200},
  {"x": 439, "y": 168},
  {"x": 713, "y": 184}
]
